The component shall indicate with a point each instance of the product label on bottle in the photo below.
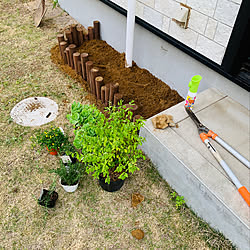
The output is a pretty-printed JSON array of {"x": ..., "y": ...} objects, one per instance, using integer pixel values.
[{"x": 190, "y": 101}]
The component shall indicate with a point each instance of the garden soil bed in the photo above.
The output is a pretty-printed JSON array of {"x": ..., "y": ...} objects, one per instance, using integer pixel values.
[{"x": 149, "y": 93}]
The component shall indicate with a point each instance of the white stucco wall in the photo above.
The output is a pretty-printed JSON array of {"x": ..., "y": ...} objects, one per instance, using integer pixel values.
[
  {"x": 162, "y": 59},
  {"x": 210, "y": 24}
]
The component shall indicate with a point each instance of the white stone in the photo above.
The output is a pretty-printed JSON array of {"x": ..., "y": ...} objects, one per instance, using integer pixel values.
[
  {"x": 226, "y": 12},
  {"x": 150, "y": 3},
  {"x": 186, "y": 36},
  {"x": 211, "y": 28},
  {"x": 139, "y": 9},
  {"x": 206, "y": 7},
  {"x": 165, "y": 24},
  {"x": 153, "y": 17},
  {"x": 210, "y": 49},
  {"x": 197, "y": 21},
  {"x": 166, "y": 7},
  {"x": 222, "y": 34}
]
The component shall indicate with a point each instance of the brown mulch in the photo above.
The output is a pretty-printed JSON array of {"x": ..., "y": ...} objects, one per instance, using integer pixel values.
[{"x": 149, "y": 93}]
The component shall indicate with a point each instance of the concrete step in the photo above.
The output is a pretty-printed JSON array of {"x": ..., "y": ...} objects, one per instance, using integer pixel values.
[{"x": 186, "y": 164}]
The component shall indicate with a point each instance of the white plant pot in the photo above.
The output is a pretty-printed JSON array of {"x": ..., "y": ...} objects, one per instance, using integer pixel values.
[{"x": 69, "y": 189}]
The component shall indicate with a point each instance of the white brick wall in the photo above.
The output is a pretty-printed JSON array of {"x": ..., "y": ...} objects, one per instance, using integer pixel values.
[{"x": 210, "y": 24}]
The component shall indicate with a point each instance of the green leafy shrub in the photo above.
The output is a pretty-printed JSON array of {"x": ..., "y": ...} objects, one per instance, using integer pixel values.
[
  {"x": 108, "y": 144},
  {"x": 55, "y": 3},
  {"x": 179, "y": 200},
  {"x": 83, "y": 114}
]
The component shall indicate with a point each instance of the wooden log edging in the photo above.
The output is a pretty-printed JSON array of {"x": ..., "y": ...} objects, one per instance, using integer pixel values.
[
  {"x": 84, "y": 59},
  {"x": 97, "y": 30},
  {"x": 89, "y": 66},
  {"x": 91, "y": 33},
  {"x": 103, "y": 94},
  {"x": 72, "y": 49},
  {"x": 63, "y": 46},
  {"x": 117, "y": 98},
  {"x": 98, "y": 85},
  {"x": 69, "y": 36},
  {"x": 68, "y": 42},
  {"x": 60, "y": 38},
  {"x": 107, "y": 93},
  {"x": 80, "y": 35},
  {"x": 94, "y": 72},
  {"x": 76, "y": 59},
  {"x": 74, "y": 34}
]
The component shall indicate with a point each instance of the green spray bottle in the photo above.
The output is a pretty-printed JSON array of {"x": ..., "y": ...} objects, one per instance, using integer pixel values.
[{"x": 193, "y": 88}]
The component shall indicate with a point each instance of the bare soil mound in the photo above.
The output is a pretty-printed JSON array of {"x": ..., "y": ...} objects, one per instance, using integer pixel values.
[{"x": 149, "y": 93}]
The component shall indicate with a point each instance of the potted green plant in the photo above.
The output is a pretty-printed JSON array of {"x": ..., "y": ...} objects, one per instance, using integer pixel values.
[
  {"x": 66, "y": 153},
  {"x": 69, "y": 175},
  {"x": 52, "y": 139},
  {"x": 109, "y": 146},
  {"x": 48, "y": 197}
]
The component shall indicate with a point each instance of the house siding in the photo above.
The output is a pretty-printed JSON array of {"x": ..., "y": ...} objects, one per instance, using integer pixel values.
[{"x": 211, "y": 22}]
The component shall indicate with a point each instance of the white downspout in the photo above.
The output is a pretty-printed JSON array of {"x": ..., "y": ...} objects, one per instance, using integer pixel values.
[{"x": 130, "y": 33}]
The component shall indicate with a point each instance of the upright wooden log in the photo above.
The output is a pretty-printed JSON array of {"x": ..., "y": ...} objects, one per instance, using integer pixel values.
[
  {"x": 132, "y": 108},
  {"x": 63, "y": 46},
  {"x": 84, "y": 59},
  {"x": 67, "y": 56},
  {"x": 72, "y": 49},
  {"x": 97, "y": 30},
  {"x": 107, "y": 91},
  {"x": 86, "y": 37},
  {"x": 91, "y": 33},
  {"x": 117, "y": 98},
  {"x": 76, "y": 59},
  {"x": 94, "y": 74},
  {"x": 69, "y": 36},
  {"x": 80, "y": 35},
  {"x": 79, "y": 67},
  {"x": 98, "y": 85},
  {"x": 89, "y": 66},
  {"x": 60, "y": 38},
  {"x": 74, "y": 34},
  {"x": 103, "y": 94},
  {"x": 116, "y": 88},
  {"x": 111, "y": 93},
  {"x": 136, "y": 117}
]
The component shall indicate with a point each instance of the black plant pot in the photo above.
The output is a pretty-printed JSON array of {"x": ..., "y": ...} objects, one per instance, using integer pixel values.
[
  {"x": 46, "y": 199},
  {"x": 113, "y": 186},
  {"x": 73, "y": 159}
]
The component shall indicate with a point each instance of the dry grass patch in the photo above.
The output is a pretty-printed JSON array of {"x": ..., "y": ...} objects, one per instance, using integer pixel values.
[{"x": 90, "y": 217}]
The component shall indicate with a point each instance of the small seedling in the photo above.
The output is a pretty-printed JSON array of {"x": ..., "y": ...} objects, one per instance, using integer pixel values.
[
  {"x": 179, "y": 200},
  {"x": 55, "y": 3}
]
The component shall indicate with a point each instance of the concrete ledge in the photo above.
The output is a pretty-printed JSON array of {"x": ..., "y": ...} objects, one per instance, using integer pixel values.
[{"x": 186, "y": 164}]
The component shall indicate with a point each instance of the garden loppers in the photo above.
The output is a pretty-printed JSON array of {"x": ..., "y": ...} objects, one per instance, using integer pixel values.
[{"x": 205, "y": 133}]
